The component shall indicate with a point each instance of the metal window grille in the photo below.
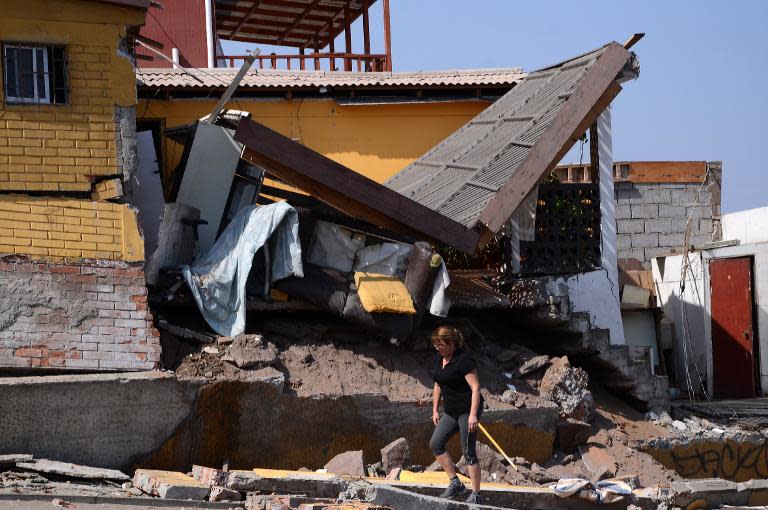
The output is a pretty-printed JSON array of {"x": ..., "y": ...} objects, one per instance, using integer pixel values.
[{"x": 34, "y": 74}]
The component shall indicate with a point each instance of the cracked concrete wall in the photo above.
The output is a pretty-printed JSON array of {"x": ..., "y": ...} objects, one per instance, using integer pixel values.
[
  {"x": 103, "y": 420},
  {"x": 156, "y": 420}
]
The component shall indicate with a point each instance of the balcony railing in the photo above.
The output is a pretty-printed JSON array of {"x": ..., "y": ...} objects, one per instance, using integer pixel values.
[{"x": 317, "y": 61}]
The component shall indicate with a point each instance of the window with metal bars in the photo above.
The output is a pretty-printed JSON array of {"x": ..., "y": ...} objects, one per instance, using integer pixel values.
[{"x": 34, "y": 74}]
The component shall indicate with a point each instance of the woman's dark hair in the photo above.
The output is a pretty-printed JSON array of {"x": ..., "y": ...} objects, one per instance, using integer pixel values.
[{"x": 448, "y": 333}]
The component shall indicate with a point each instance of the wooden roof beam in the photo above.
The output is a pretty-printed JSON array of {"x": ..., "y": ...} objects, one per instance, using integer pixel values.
[
  {"x": 298, "y": 20},
  {"x": 246, "y": 17},
  {"x": 348, "y": 191}
]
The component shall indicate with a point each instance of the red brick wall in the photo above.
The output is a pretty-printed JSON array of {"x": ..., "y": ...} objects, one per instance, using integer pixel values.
[{"x": 91, "y": 315}]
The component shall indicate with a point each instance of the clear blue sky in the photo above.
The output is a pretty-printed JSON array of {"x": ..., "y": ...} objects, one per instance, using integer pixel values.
[{"x": 703, "y": 87}]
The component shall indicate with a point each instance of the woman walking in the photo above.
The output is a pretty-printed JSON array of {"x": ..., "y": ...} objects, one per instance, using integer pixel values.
[{"x": 455, "y": 376}]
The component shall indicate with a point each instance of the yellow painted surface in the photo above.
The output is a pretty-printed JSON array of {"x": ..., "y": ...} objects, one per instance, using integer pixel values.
[
  {"x": 383, "y": 294},
  {"x": 56, "y": 229},
  {"x": 169, "y": 477},
  {"x": 132, "y": 242},
  {"x": 59, "y": 147},
  {"x": 434, "y": 478},
  {"x": 376, "y": 140}
]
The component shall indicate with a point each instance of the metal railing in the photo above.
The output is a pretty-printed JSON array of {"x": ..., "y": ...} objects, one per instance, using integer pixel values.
[{"x": 329, "y": 61}]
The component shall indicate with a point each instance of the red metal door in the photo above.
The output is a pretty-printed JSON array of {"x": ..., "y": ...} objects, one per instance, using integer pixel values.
[{"x": 732, "y": 334}]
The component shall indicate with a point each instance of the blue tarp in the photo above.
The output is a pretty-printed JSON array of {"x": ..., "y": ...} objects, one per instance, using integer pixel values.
[{"x": 218, "y": 278}]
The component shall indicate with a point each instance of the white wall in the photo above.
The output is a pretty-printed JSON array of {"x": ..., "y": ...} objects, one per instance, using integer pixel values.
[
  {"x": 749, "y": 227},
  {"x": 690, "y": 334},
  {"x": 593, "y": 293}
]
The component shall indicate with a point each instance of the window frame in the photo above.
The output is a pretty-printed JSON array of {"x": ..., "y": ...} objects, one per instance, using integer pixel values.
[{"x": 50, "y": 89}]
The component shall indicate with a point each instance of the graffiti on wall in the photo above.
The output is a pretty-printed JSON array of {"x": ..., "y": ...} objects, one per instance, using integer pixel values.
[{"x": 731, "y": 460}]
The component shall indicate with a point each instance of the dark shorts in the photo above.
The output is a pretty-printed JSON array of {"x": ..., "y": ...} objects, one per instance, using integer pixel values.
[{"x": 446, "y": 428}]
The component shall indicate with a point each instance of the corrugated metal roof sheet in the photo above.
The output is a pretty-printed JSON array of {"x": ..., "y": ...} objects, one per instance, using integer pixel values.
[
  {"x": 466, "y": 188},
  {"x": 460, "y": 176},
  {"x": 221, "y": 77}
]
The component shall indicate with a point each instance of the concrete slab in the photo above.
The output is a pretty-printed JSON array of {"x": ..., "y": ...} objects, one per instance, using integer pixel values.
[
  {"x": 43, "y": 502},
  {"x": 170, "y": 485},
  {"x": 72, "y": 470},
  {"x": 429, "y": 484},
  {"x": 13, "y": 458},
  {"x": 406, "y": 500}
]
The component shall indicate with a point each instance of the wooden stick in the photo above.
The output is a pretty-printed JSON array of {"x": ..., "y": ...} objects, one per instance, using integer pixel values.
[{"x": 482, "y": 429}]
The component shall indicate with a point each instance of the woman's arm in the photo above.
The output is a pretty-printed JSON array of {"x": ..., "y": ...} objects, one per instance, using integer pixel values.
[
  {"x": 435, "y": 403},
  {"x": 474, "y": 383}
]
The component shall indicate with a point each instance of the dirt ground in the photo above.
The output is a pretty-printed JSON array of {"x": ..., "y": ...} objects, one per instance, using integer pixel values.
[{"x": 323, "y": 361}]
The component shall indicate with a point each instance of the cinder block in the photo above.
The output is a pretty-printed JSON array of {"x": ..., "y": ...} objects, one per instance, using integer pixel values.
[
  {"x": 672, "y": 240},
  {"x": 672, "y": 211},
  {"x": 635, "y": 226},
  {"x": 645, "y": 240},
  {"x": 658, "y": 225},
  {"x": 623, "y": 241},
  {"x": 701, "y": 239},
  {"x": 623, "y": 211},
  {"x": 705, "y": 226},
  {"x": 651, "y": 253},
  {"x": 658, "y": 195},
  {"x": 645, "y": 210}
]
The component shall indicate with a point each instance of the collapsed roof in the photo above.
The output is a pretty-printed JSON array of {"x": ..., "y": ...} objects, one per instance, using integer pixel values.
[{"x": 465, "y": 189}]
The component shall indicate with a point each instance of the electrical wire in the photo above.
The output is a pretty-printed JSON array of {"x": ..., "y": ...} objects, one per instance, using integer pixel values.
[{"x": 685, "y": 272}]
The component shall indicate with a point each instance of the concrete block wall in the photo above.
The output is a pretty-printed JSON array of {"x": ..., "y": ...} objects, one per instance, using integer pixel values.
[
  {"x": 87, "y": 316},
  {"x": 651, "y": 217}
]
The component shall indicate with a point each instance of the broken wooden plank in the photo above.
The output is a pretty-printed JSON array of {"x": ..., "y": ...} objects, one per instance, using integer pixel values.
[
  {"x": 591, "y": 97},
  {"x": 348, "y": 191},
  {"x": 185, "y": 333}
]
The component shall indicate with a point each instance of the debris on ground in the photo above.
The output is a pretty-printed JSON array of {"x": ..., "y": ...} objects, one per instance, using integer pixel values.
[
  {"x": 71, "y": 470},
  {"x": 568, "y": 387},
  {"x": 396, "y": 455},
  {"x": 347, "y": 463}
]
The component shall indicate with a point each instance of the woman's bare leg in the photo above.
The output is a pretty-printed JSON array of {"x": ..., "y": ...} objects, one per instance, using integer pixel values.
[{"x": 445, "y": 461}]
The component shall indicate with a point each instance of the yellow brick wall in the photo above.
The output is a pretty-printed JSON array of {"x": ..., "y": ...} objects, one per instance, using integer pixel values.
[
  {"x": 62, "y": 147},
  {"x": 59, "y": 228}
]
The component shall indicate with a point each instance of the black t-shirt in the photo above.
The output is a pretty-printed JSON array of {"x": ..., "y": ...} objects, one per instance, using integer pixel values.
[{"x": 457, "y": 394}]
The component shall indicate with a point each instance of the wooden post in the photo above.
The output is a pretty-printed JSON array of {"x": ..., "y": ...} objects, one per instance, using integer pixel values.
[
  {"x": 301, "y": 59},
  {"x": 331, "y": 44},
  {"x": 593, "y": 175},
  {"x": 317, "y": 52},
  {"x": 387, "y": 37},
  {"x": 347, "y": 40},
  {"x": 366, "y": 36}
]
